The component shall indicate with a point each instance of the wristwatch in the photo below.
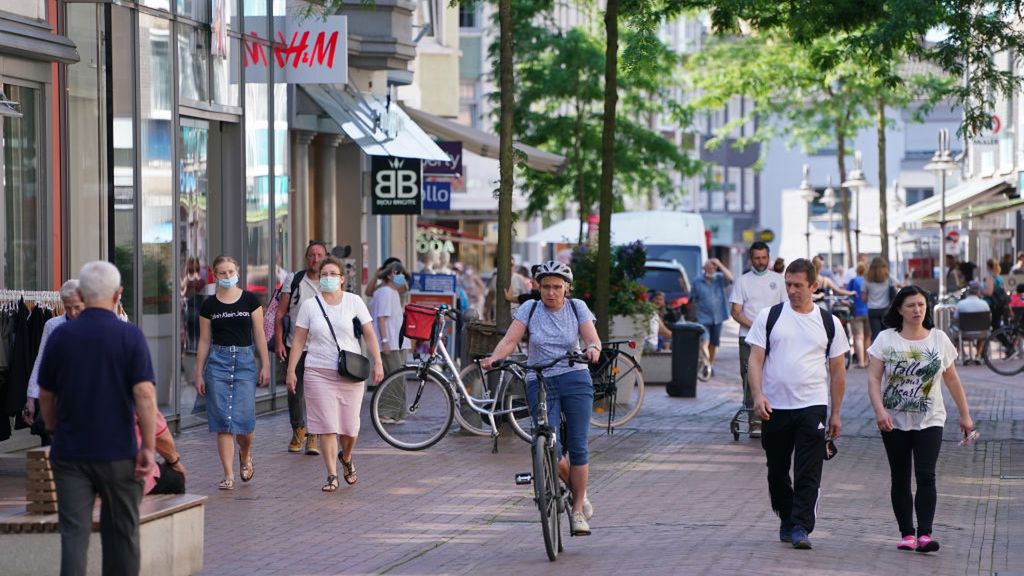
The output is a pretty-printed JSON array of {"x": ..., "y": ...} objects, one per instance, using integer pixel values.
[
  {"x": 383, "y": 340},
  {"x": 594, "y": 346}
]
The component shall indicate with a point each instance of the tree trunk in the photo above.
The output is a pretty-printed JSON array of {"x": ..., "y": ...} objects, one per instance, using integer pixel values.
[
  {"x": 581, "y": 188},
  {"x": 503, "y": 312},
  {"x": 604, "y": 235},
  {"x": 883, "y": 201},
  {"x": 844, "y": 196}
]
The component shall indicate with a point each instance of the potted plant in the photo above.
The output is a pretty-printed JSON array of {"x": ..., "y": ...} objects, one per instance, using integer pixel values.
[{"x": 628, "y": 306}]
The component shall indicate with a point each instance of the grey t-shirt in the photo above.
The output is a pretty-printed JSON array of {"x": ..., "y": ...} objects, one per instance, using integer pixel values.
[
  {"x": 553, "y": 333},
  {"x": 878, "y": 294}
]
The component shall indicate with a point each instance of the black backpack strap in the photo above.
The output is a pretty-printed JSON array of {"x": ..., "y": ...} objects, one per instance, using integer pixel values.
[
  {"x": 530, "y": 317},
  {"x": 296, "y": 286},
  {"x": 575, "y": 312},
  {"x": 830, "y": 331},
  {"x": 773, "y": 317}
]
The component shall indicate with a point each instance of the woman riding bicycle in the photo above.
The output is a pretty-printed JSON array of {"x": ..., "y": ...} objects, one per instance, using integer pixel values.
[{"x": 556, "y": 324}]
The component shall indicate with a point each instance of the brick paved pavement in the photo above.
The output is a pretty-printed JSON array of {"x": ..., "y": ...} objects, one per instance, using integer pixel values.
[{"x": 673, "y": 494}]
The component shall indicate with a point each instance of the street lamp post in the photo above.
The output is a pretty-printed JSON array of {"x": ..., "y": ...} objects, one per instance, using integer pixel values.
[
  {"x": 829, "y": 199},
  {"x": 809, "y": 195},
  {"x": 942, "y": 163},
  {"x": 855, "y": 182}
]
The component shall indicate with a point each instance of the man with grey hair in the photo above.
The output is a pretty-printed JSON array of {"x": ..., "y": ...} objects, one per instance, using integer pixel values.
[
  {"x": 72, "y": 302},
  {"x": 95, "y": 378}
]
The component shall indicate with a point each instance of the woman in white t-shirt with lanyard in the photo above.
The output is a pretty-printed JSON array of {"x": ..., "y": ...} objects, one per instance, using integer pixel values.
[
  {"x": 332, "y": 402},
  {"x": 903, "y": 384}
]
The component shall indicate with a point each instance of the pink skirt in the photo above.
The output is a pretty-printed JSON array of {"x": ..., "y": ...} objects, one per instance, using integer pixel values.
[{"x": 332, "y": 405}]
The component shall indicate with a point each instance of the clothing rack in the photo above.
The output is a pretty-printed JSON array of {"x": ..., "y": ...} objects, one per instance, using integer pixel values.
[{"x": 49, "y": 299}]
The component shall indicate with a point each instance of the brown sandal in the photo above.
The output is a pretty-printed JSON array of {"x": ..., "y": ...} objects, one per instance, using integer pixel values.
[
  {"x": 331, "y": 485},
  {"x": 350, "y": 472},
  {"x": 247, "y": 469}
]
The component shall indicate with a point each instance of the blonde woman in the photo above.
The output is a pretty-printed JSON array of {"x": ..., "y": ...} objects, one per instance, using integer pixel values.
[
  {"x": 324, "y": 326},
  {"x": 879, "y": 289},
  {"x": 227, "y": 370}
]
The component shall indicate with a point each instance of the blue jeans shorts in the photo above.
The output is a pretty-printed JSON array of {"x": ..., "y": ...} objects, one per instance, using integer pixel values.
[
  {"x": 712, "y": 332},
  {"x": 571, "y": 393}
]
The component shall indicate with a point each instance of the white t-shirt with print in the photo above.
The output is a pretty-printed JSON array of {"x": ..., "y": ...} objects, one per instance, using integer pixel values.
[
  {"x": 912, "y": 380},
  {"x": 321, "y": 351},
  {"x": 758, "y": 293},
  {"x": 795, "y": 372},
  {"x": 387, "y": 305}
]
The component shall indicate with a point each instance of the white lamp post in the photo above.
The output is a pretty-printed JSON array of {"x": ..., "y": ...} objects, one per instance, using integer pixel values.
[
  {"x": 829, "y": 200},
  {"x": 809, "y": 196},
  {"x": 942, "y": 163},
  {"x": 855, "y": 182}
]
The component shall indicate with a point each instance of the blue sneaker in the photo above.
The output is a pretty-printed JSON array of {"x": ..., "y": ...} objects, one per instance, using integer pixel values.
[
  {"x": 800, "y": 539},
  {"x": 785, "y": 532}
]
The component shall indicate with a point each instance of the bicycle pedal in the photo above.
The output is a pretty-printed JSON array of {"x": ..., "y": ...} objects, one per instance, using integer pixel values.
[{"x": 523, "y": 478}]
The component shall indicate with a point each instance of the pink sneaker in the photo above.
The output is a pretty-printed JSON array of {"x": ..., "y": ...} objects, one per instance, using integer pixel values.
[
  {"x": 907, "y": 543},
  {"x": 926, "y": 544}
]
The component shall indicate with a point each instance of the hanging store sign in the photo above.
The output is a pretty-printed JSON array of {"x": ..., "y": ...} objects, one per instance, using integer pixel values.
[
  {"x": 453, "y": 167},
  {"x": 303, "y": 51},
  {"x": 437, "y": 195},
  {"x": 395, "y": 185}
]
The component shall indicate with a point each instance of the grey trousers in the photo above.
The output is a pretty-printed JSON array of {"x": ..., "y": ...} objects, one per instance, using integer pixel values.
[{"x": 78, "y": 484}]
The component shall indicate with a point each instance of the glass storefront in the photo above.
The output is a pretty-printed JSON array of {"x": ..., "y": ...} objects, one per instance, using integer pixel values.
[
  {"x": 195, "y": 258},
  {"x": 23, "y": 203}
]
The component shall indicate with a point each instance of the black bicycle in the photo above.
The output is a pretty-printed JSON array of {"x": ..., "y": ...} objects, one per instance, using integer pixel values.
[
  {"x": 1003, "y": 350},
  {"x": 550, "y": 493}
]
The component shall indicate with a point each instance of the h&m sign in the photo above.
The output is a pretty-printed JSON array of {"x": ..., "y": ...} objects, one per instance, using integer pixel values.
[
  {"x": 302, "y": 50},
  {"x": 395, "y": 185}
]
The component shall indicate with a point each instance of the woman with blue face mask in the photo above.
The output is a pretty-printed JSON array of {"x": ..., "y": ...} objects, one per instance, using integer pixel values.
[
  {"x": 227, "y": 368},
  {"x": 324, "y": 325}
]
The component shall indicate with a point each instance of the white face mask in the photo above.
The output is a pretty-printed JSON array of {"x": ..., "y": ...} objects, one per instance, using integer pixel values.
[{"x": 227, "y": 282}]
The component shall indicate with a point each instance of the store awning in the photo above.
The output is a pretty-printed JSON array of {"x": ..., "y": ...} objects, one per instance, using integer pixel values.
[
  {"x": 484, "y": 143},
  {"x": 36, "y": 44},
  {"x": 367, "y": 120},
  {"x": 986, "y": 209},
  {"x": 969, "y": 192}
]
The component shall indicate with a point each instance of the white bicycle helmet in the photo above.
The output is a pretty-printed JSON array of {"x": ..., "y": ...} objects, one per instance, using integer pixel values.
[{"x": 554, "y": 268}]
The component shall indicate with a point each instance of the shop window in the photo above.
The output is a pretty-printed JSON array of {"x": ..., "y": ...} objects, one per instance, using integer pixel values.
[
  {"x": 193, "y": 63},
  {"x": 225, "y": 81},
  {"x": 23, "y": 190},
  {"x": 198, "y": 10},
  {"x": 158, "y": 4},
  {"x": 28, "y": 8}
]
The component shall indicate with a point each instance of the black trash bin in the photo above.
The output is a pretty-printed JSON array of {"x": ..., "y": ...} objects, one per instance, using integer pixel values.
[{"x": 685, "y": 353}]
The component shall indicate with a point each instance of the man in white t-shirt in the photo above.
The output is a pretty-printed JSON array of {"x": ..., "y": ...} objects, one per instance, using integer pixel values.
[
  {"x": 386, "y": 310},
  {"x": 794, "y": 373},
  {"x": 756, "y": 290},
  {"x": 851, "y": 272},
  {"x": 307, "y": 287}
]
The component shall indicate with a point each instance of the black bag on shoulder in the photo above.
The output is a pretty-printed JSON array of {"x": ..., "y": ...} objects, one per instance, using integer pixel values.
[{"x": 351, "y": 365}]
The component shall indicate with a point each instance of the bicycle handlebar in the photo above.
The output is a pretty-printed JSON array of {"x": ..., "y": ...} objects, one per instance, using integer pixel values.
[{"x": 573, "y": 357}]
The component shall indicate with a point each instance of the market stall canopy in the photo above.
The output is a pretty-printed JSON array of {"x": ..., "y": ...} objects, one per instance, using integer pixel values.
[
  {"x": 378, "y": 129},
  {"x": 651, "y": 227},
  {"x": 972, "y": 191},
  {"x": 986, "y": 209},
  {"x": 484, "y": 143}
]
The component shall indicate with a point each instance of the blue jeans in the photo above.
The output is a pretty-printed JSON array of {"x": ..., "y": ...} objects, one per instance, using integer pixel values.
[{"x": 573, "y": 394}]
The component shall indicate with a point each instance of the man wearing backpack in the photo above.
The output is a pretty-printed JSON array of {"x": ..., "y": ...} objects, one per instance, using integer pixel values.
[
  {"x": 796, "y": 366},
  {"x": 304, "y": 284}
]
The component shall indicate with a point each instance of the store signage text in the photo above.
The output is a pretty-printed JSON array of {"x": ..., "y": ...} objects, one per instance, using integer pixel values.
[
  {"x": 395, "y": 185},
  {"x": 437, "y": 195},
  {"x": 428, "y": 241},
  {"x": 304, "y": 51},
  {"x": 451, "y": 167}
]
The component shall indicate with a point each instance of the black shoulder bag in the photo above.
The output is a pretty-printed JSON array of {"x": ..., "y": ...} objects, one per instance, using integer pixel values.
[{"x": 350, "y": 364}]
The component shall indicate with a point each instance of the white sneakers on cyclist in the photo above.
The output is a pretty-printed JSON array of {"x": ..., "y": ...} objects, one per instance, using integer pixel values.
[
  {"x": 390, "y": 420},
  {"x": 579, "y": 525},
  {"x": 588, "y": 508}
]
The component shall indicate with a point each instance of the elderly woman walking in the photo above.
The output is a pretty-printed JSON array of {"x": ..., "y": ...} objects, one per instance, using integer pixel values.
[
  {"x": 324, "y": 328},
  {"x": 227, "y": 371}
]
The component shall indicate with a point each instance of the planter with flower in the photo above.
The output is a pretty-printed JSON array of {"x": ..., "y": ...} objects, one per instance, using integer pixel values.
[{"x": 628, "y": 306}]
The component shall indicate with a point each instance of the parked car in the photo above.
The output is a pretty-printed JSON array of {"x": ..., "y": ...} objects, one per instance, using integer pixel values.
[{"x": 670, "y": 277}]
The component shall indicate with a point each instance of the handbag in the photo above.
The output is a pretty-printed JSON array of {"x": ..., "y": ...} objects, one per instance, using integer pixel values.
[{"x": 351, "y": 365}]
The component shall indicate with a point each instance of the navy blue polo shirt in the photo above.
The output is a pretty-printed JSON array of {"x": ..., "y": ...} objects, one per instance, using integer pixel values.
[{"x": 91, "y": 366}]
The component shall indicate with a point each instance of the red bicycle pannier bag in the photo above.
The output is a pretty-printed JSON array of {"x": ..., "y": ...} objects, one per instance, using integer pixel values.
[{"x": 418, "y": 322}]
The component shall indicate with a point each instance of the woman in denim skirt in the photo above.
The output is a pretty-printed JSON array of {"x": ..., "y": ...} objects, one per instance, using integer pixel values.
[{"x": 227, "y": 371}]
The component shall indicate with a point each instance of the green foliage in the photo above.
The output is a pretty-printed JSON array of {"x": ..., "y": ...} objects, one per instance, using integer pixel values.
[{"x": 626, "y": 297}]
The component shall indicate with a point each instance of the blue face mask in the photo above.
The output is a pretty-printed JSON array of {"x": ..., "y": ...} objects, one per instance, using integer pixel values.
[
  {"x": 330, "y": 283},
  {"x": 227, "y": 282},
  {"x": 399, "y": 279}
]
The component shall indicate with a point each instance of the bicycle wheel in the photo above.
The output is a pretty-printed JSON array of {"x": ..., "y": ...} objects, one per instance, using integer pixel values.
[
  {"x": 409, "y": 412},
  {"x": 479, "y": 387},
  {"x": 512, "y": 391},
  {"x": 1003, "y": 351},
  {"x": 544, "y": 477},
  {"x": 618, "y": 391}
]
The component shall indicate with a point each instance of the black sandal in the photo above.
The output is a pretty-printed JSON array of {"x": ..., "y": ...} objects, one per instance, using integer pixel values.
[
  {"x": 332, "y": 484},
  {"x": 350, "y": 472}
]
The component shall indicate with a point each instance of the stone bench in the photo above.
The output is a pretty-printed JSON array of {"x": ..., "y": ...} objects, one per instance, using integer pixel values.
[{"x": 170, "y": 535}]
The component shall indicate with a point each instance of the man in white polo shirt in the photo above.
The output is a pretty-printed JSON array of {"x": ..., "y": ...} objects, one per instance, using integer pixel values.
[
  {"x": 756, "y": 290},
  {"x": 797, "y": 366}
]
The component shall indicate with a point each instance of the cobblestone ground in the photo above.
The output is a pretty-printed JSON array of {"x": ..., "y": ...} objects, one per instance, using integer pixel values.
[{"x": 673, "y": 492}]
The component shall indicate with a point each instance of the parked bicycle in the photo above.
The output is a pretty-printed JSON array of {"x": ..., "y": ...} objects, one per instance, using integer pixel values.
[
  {"x": 618, "y": 386},
  {"x": 841, "y": 307},
  {"x": 550, "y": 493},
  {"x": 414, "y": 407},
  {"x": 1003, "y": 350}
]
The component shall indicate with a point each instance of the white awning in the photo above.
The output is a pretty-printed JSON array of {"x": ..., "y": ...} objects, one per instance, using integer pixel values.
[
  {"x": 484, "y": 143},
  {"x": 969, "y": 192},
  {"x": 363, "y": 118}
]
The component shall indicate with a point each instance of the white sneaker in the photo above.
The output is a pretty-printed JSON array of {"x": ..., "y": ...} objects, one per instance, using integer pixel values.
[
  {"x": 579, "y": 525},
  {"x": 588, "y": 508},
  {"x": 390, "y": 420}
]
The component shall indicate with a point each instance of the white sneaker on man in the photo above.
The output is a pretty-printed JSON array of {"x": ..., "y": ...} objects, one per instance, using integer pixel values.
[
  {"x": 579, "y": 525},
  {"x": 588, "y": 508}
]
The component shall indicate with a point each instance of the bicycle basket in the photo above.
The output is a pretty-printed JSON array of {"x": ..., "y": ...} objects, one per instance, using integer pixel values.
[{"x": 418, "y": 322}]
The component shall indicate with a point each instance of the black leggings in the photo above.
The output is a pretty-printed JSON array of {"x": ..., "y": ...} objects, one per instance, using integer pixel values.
[
  {"x": 875, "y": 316},
  {"x": 918, "y": 449}
]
